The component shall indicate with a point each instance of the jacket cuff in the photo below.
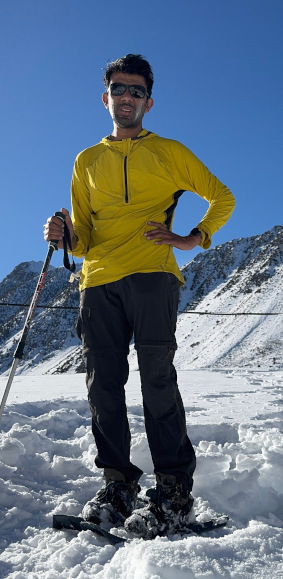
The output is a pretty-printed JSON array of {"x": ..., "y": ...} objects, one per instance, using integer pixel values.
[{"x": 205, "y": 237}]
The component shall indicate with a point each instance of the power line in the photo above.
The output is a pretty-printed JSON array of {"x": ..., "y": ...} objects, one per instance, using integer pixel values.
[
  {"x": 39, "y": 306},
  {"x": 231, "y": 314},
  {"x": 179, "y": 311}
]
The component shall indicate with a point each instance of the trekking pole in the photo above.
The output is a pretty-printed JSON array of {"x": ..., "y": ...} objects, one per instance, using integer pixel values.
[{"x": 18, "y": 354}]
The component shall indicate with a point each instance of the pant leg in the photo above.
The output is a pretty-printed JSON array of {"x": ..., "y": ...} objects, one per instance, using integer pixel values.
[
  {"x": 154, "y": 314},
  {"x": 105, "y": 334},
  {"x": 171, "y": 449}
]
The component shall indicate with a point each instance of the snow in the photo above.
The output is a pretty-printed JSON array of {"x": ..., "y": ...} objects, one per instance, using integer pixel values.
[{"x": 47, "y": 451}]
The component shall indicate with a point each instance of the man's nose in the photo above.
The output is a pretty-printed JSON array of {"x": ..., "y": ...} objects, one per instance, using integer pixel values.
[{"x": 127, "y": 94}]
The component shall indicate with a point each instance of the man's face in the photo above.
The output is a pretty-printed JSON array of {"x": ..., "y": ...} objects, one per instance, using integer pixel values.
[{"x": 127, "y": 111}]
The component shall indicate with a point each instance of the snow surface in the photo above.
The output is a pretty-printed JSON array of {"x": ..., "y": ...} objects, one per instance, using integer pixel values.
[{"x": 47, "y": 454}]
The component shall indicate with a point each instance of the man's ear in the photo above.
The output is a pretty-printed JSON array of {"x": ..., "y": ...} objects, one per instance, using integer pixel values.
[
  {"x": 104, "y": 99},
  {"x": 149, "y": 104}
]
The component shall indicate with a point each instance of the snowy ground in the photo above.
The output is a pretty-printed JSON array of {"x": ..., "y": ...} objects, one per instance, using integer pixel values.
[{"x": 234, "y": 420}]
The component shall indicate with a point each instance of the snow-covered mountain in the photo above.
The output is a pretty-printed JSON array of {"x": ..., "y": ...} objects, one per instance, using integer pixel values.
[
  {"x": 52, "y": 330},
  {"x": 243, "y": 276},
  {"x": 225, "y": 290}
]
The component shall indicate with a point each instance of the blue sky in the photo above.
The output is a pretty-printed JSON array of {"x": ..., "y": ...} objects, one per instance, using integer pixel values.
[{"x": 218, "y": 89}]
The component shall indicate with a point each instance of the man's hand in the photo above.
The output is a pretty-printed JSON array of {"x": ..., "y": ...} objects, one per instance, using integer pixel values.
[
  {"x": 165, "y": 237},
  {"x": 54, "y": 229}
]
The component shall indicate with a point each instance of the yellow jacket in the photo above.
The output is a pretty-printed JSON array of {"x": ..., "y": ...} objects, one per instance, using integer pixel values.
[{"x": 118, "y": 186}]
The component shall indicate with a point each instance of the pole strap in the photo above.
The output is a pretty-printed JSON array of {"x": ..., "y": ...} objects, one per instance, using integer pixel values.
[{"x": 68, "y": 244}]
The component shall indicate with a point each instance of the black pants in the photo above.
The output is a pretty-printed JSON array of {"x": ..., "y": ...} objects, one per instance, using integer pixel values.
[{"x": 144, "y": 305}]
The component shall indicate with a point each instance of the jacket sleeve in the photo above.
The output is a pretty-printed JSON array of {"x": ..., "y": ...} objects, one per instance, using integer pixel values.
[
  {"x": 191, "y": 174},
  {"x": 81, "y": 210}
]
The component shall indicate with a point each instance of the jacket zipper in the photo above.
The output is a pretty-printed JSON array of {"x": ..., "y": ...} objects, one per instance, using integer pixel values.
[{"x": 126, "y": 179}]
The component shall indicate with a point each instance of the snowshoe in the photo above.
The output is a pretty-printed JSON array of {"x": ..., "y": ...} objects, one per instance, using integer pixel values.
[{"x": 75, "y": 523}]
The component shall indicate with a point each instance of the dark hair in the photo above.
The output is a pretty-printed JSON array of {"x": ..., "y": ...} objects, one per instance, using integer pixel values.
[{"x": 132, "y": 64}]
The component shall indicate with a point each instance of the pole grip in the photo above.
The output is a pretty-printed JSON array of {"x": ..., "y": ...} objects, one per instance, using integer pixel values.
[
  {"x": 54, "y": 242},
  {"x": 60, "y": 215}
]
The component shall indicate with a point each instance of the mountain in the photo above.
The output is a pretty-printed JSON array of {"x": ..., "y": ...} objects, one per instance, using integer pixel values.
[
  {"x": 52, "y": 330},
  {"x": 241, "y": 276},
  {"x": 230, "y": 311}
]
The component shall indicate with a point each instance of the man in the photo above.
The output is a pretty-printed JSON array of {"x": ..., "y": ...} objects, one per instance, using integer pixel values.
[{"x": 124, "y": 193}]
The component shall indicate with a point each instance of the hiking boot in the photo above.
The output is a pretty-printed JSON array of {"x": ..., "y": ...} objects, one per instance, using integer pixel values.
[
  {"x": 113, "y": 503},
  {"x": 169, "y": 511}
]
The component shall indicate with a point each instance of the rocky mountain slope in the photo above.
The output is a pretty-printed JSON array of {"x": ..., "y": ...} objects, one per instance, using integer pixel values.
[
  {"x": 243, "y": 276},
  {"x": 225, "y": 290}
]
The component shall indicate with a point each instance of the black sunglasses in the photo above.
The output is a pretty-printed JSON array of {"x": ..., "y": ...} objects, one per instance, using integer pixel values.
[{"x": 118, "y": 89}]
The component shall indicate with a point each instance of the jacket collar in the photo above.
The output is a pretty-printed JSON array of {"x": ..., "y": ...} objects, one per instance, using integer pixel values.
[{"x": 144, "y": 133}]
